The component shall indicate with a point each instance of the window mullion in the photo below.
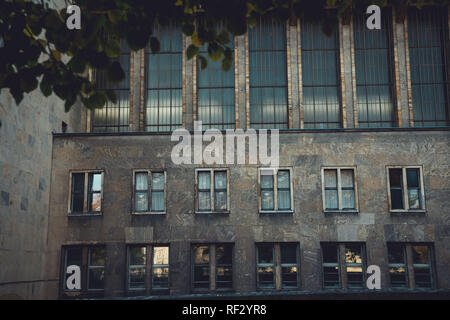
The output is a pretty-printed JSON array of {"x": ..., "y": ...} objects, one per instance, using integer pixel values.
[
  {"x": 212, "y": 190},
  {"x": 339, "y": 189},
  {"x": 405, "y": 189},
  {"x": 275, "y": 189},
  {"x": 149, "y": 190},
  {"x": 86, "y": 192}
]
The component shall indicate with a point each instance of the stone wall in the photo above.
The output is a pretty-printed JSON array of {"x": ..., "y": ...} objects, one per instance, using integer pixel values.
[{"x": 304, "y": 152}]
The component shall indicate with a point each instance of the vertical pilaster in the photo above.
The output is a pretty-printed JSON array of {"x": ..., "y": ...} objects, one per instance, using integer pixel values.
[
  {"x": 293, "y": 83},
  {"x": 142, "y": 86},
  {"x": 188, "y": 87},
  {"x": 410, "y": 110},
  {"x": 342, "y": 75},
  {"x": 247, "y": 83},
  {"x": 348, "y": 47},
  {"x": 301, "y": 115}
]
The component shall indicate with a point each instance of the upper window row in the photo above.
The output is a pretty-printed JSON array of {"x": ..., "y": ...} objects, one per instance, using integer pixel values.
[
  {"x": 275, "y": 190},
  {"x": 268, "y": 85}
]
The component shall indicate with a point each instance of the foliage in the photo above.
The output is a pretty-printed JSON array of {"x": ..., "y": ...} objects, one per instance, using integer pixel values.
[{"x": 37, "y": 49}]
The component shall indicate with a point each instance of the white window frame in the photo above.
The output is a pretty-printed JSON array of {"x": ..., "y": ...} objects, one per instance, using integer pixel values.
[
  {"x": 212, "y": 193},
  {"x": 339, "y": 189},
  {"x": 275, "y": 191},
  {"x": 405, "y": 189},
  {"x": 85, "y": 212},
  {"x": 149, "y": 191}
]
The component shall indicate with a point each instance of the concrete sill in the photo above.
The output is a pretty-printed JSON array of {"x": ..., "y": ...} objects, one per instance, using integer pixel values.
[
  {"x": 341, "y": 211},
  {"x": 287, "y": 212},
  {"x": 212, "y": 212},
  {"x": 85, "y": 214},
  {"x": 408, "y": 212},
  {"x": 148, "y": 213}
]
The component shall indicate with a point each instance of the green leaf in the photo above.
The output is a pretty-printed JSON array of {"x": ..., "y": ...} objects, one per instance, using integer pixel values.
[
  {"x": 115, "y": 15},
  {"x": 111, "y": 95},
  {"x": 115, "y": 72},
  {"x": 188, "y": 29},
  {"x": 45, "y": 86},
  {"x": 203, "y": 62},
  {"x": 226, "y": 64},
  {"x": 223, "y": 37},
  {"x": 191, "y": 51},
  {"x": 154, "y": 45},
  {"x": 97, "y": 100},
  {"x": 77, "y": 64},
  {"x": 112, "y": 48},
  {"x": 215, "y": 52}
]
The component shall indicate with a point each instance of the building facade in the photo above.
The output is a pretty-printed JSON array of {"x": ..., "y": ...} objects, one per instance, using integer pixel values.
[{"x": 363, "y": 176}]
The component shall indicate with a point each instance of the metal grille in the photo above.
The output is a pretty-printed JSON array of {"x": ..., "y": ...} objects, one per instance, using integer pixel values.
[
  {"x": 164, "y": 81},
  {"x": 268, "y": 80},
  {"x": 321, "y": 99},
  {"x": 374, "y": 72},
  {"x": 114, "y": 117},
  {"x": 428, "y": 31},
  {"x": 216, "y": 103}
]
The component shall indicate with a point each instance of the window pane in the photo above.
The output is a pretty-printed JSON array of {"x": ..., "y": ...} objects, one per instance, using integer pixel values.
[
  {"x": 330, "y": 253},
  {"x": 141, "y": 201},
  {"x": 204, "y": 180},
  {"x": 157, "y": 201},
  {"x": 355, "y": 277},
  {"x": 95, "y": 202},
  {"x": 220, "y": 180},
  {"x": 395, "y": 177},
  {"x": 77, "y": 202},
  {"x": 331, "y": 277},
  {"x": 348, "y": 199},
  {"x": 97, "y": 256},
  {"x": 73, "y": 257},
  {"x": 77, "y": 192},
  {"x": 420, "y": 255},
  {"x": 284, "y": 200},
  {"x": 265, "y": 254},
  {"x": 396, "y": 253},
  {"x": 96, "y": 278},
  {"x": 283, "y": 179},
  {"x": 422, "y": 277},
  {"x": 204, "y": 201},
  {"x": 95, "y": 182},
  {"x": 142, "y": 181},
  {"x": 412, "y": 177},
  {"x": 137, "y": 278},
  {"x": 267, "y": 200},
  {"x": 224, "y": 277},
  {"x": 160, "y": 255},
  {"x": 289, "y": 277},
  {"x": 157, "y": 181},
  {"x": 397, "y": 199},
  {"x": 138, "y": 255},
  {"x": 201, "y": 277},
  {"x": 288, "y": 253},
  {"x": 267, "y": 179},
  {"x": 201, "y": 254},
  {"x": 347, "y": 178},
  {"x": 330, "y": 178},
  {"x": 220, "y": 200},
  {"x": 265, "y": 277},
  {"x": 353, "y": 254},
  {"x": 331, "y": 199},
  {"x": 413, "y": 198},
  {"x": 224, "y": 254},
  {"x": 160, "y": 278}
]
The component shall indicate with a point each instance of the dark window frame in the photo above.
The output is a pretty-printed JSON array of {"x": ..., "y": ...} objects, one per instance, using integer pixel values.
[
  {"x": 212, "y": 190},
  {"x": 149, "y": 191},
  {"x": 87, "y": 193}
]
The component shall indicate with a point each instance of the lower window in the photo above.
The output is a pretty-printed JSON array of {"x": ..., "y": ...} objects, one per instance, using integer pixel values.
[
  {"x": 410, "y": 265},
  {"x": 343, "y": 265},
  {"x": 276, "y": 258},
  {"x": 212, "y": 267},
  {"x": 148, "y": 268},
  {"x": 83, "y": 270}
]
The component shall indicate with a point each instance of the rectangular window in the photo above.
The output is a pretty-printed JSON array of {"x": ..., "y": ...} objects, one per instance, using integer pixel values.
[
  {"x": 398, "y": 271},
  {"x": 212, "y": 190},
  {"x": 212, "y": 267},
  {"x": 330, "y": 264},
  {"x": 428, "y": 45},
  {"x": 406, "y": 188},
  {"x": 215, "y": 87},
  {"x": 268, "y": 80},
  {"x": 91, "y": 262},
  {"x": 149, "y": 191},
  {"x": 114, "y": 117},
  {"x": 155, "y": 259},
  {"x": 277, "y": 266},
  {"x": 164, "y": 106},
  {"x": 374, "y": 72},
  {"x": 86, "y": 193},
  {"x": 422, "y": 266},
  {"x": 343, "y": 265},
  {"x": 275, "y": 188},
  {"x": 339, "y": 189},
  {"x": 320, "y": 76}
]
